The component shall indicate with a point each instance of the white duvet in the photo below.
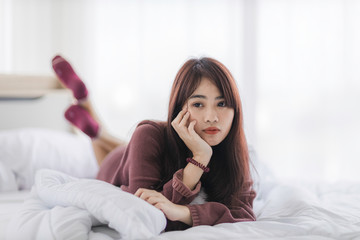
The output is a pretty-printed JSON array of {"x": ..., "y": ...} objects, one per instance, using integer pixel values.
[
  {"x": 292, "y": 211},
  {"x": 64, "y": 207}
]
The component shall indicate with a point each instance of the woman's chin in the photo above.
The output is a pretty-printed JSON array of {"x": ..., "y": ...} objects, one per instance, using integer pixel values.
[
  {"x": 212, "y": 139},
  {"x": 212, "y": 142}
]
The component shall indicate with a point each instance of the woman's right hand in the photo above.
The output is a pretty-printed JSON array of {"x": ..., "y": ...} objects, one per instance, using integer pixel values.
[{"x": 200, "y": 149}]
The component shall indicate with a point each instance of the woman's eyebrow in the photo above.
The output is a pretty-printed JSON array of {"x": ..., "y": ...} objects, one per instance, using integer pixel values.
[
  {"x": 204, "y": 97},
  {"x": 198, "y": 96}
]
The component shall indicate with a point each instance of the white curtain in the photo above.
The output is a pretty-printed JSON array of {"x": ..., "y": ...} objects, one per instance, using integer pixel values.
[
  {"x": 308, "y": 88},
  {"x": 295, "y": 61},
  {"x": 127, "y": 52}
]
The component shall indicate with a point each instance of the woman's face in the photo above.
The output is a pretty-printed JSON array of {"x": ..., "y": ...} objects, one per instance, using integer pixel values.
[{"x": 208, "y": 107}]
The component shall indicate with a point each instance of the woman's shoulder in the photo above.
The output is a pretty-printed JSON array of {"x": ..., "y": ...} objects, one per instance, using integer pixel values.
[
  {"x": 160, "y": 125},
  {"x": 151, "y": 129}
]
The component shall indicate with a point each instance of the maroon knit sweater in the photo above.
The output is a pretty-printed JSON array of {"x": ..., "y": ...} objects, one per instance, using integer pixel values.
[{"x": 138, "y": 165}]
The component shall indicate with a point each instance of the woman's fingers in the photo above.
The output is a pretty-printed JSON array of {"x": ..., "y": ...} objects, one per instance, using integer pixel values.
[
  {"x": 179, "y": 117},
  {"x": 151, "y": 196},
  {"x": 191, "y": 127},
  {"x": 138, "y": 192},
  {"x": 154, "y": 200},
  {"x": 184, "y": 120},
  {"x": 185, "y": 130},
  {"x": 180, "y": 123},
  {"x": 173, "y": 212},
  {"x": 144, "y": 193}
]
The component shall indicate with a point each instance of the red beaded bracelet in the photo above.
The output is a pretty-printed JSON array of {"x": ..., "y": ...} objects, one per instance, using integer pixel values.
[{"x": 196, "y": 163}]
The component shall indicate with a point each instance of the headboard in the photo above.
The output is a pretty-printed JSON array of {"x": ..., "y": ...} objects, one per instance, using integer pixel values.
[{"x": 33, "y": 102}]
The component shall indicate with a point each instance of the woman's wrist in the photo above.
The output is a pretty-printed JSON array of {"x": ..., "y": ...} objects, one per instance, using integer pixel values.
[
  {"x": 186, "y": 215},
  {"x": 198, "y": 164},
  {"x": 202, "y": 158},
  {"x": 193, "y": 173}
]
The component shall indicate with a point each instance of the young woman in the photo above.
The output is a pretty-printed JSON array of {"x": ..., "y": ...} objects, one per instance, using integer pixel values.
[{"x": 200, "y": 151}]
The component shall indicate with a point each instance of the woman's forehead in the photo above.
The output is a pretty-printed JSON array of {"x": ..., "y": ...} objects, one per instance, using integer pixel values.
[{"x": 207, "y": 85}]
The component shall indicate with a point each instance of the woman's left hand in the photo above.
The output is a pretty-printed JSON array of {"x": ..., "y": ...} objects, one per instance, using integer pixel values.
[{"x": 172, "y": 211}]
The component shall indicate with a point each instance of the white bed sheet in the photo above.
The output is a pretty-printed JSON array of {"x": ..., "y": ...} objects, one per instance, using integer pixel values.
[
  {"x": 284, "y": 211},
  {"x": 10, "y": 202},
  {"x": 292, "y": 211}
]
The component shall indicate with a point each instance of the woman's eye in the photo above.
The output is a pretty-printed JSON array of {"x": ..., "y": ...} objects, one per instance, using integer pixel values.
[
  {"x": 197, "y": 105},
  {"x": 222, "y": 104}
]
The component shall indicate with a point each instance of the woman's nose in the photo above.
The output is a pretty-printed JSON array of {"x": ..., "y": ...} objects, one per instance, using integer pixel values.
[{"x": 211, "y": 116}]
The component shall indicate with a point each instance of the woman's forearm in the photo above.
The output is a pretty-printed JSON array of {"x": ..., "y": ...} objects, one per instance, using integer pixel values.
[
  {"x": 193, "y": 173},
  {"x": 186, "y": 216}
]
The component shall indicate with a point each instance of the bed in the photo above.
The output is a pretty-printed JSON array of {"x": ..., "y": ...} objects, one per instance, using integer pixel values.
[{"x": 48, "y": 190}]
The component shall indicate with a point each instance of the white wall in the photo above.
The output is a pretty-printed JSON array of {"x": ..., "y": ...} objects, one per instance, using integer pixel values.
[
  {"x": 308, "y": 88},
  {"x": 127, "y": 52},
  {"x": 295, "y": 61}
]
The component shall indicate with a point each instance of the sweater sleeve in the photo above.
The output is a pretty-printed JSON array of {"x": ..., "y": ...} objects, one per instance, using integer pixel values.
[
  {"x": 140, "y": 166},
  {"x": 239, "y": 210}
]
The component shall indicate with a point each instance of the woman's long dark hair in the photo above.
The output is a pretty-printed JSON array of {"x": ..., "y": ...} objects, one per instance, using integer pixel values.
[{"x": 230, "y": 161}]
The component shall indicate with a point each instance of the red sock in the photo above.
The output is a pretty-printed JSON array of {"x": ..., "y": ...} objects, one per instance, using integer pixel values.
[
  {"x": 69, "y": 78},
  {"x": 78, "y": 116}
]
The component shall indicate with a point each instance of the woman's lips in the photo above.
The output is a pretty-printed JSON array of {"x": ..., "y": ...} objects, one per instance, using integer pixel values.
[{"x": 211, "y": 130}]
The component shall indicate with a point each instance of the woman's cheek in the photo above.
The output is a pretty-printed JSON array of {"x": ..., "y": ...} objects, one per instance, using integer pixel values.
[
  {"x": 197, "y": 127},
  {"x": 192, "y": 118}
]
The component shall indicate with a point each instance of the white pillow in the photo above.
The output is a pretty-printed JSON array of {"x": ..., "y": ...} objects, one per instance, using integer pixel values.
[
  {"x": 7, "y": 179},
  {"x": 24, "y": 151},
  {"x": 64, "y": 207}
]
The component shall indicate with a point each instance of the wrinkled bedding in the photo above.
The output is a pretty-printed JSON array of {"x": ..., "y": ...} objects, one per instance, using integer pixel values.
[
  {"x": 64, "y": 207},
  {"x": 67, "y": 204},
  {"x": 291, "y": 211}
]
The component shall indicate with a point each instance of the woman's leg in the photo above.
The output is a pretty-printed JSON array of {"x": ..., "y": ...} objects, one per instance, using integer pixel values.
[
  {"x": 104, "y": 142},
  {"x": 83, "y": 114}
]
